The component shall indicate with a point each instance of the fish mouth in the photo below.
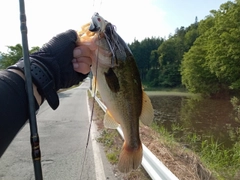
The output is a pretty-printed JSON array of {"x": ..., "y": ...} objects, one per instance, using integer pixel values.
[
  {"x": 115, "y": 43},
  {"x": 95, "y": 23}
]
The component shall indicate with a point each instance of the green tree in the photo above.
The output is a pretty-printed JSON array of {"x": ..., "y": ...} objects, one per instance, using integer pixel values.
[
  {"x": 142, "y": 53},
  {"x": 224, "y": 54},
  {"x": 171, "y": 54},
  {"x": 196, "y": 75},
  {"x": 13, "y": 55},
  {"x": 190, "y": 36},
  {"x": 34, "y": 49},
  {"x": 169, "y": 75},
  {"x": 212, "y": 64}
]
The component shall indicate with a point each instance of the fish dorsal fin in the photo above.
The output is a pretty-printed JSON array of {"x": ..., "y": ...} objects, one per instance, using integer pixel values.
[
  {"x": 147, "y": 110},
  {"x": 109, "y": 122}
]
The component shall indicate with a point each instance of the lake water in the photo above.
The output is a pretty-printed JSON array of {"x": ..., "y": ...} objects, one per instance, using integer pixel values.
[{"x": 199, "y": 119}]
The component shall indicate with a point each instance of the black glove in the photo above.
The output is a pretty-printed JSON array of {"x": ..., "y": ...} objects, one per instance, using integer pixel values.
[{"x": 52, "y": 68}]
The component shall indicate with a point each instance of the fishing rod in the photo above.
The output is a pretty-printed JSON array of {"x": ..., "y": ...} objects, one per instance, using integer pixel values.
[{"x": 34, "y": 138}]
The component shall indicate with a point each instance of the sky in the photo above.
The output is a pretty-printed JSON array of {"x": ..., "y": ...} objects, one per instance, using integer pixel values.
[{"x": 134, "y": 19}]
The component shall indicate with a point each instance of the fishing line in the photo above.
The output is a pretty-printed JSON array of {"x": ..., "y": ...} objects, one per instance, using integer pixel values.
[
  {"x": 97, "y": 6},
  {"x": 92, "y": 111},
  {"x": 93, "y": 103}
]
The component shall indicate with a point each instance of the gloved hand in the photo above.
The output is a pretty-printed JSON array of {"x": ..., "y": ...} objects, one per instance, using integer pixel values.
[
  {"x": 52, "y": 66},
  {"x": 57, "y": 56}
]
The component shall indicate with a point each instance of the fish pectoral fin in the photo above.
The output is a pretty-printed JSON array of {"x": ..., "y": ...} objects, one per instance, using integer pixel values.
[
  {"x": 147, "y": 114},
  {"x": 109, "y": 122}
]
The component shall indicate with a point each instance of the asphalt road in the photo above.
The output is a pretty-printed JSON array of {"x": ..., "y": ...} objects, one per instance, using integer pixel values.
[{"x": 63, "y": 137}]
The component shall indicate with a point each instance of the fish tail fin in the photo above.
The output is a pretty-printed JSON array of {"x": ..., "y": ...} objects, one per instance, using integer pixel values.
[{"x": 130, "y": 158}]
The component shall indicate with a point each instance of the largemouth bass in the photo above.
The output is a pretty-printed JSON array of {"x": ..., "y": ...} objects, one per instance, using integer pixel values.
[{"x": 119, "y": 84}]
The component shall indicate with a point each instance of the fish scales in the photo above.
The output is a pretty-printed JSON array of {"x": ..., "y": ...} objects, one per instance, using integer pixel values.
[{"x": 129, "y": 98}]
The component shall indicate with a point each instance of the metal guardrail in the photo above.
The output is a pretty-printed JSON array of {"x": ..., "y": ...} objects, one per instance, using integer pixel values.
[{"x": 154, "y": 167}]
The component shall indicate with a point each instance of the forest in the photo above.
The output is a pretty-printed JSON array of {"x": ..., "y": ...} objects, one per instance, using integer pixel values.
[{"x": 203, "y": 57}]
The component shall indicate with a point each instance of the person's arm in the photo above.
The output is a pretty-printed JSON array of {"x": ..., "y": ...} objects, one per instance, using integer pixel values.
[
  {"x": 60, "y": 60},
  {"x": 35, "y": 92},
  {"x": 13, "y": 107}
]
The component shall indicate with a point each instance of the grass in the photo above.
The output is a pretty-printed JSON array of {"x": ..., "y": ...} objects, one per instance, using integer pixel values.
[
  {"x": 112, "y": 157},
  {"x": 168, "y": 137},
  {"x": 107, "y": 138},
  {"x": 223, "y": 163}
]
